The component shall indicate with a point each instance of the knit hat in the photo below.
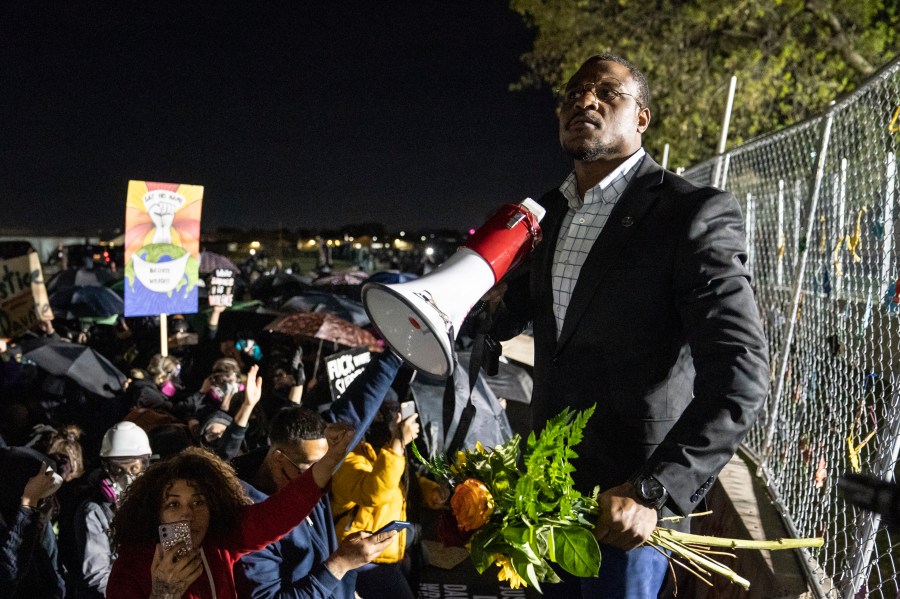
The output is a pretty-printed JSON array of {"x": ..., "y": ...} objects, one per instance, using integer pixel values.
[{"x": 217, "y": 417}]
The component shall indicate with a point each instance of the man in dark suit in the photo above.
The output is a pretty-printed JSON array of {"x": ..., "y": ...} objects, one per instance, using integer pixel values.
[{"x": 641, "y": 304}]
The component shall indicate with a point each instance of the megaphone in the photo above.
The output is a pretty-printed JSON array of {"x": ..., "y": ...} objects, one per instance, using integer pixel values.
[{"x": 420, "y": 319}]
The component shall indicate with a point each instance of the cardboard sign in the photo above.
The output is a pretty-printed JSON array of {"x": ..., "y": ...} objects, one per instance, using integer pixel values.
[
  {"x": 221, "y": 288},
  {"x": 345, "y": 366},
  {"x": 479, "y": 590},
  {"x": 23, "y": 296},
  {"x": 162, "y": 248}
]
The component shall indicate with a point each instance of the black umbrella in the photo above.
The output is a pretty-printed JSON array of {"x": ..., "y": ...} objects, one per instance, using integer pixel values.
[
  {"x": 81, "y": 277},
  {"x": 80, "y": 363},
  {"x": 245, "y": 322},
  {"x": 210, "y": 261},
  {"x": 277, "y": 288},
  {"x": 85, "y": 302}
]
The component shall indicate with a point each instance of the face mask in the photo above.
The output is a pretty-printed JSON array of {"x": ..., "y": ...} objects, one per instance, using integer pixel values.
[
  {"x": 113, "y": 488},
  {"x": 109, "y": 492},
  {"x": 168, "y": 389}
]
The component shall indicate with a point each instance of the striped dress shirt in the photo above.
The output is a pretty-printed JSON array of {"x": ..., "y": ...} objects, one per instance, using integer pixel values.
[{"x": 581, "y": 226}]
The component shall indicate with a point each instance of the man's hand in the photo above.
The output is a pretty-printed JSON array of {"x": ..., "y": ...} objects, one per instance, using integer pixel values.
[
  {"x": 39, "y": 486},
  {"x": 624, "y": 522},
  {"x": 357, "y": 549},
  {"x": 339, "y": 435},
  {"x": 494, "y": 295}
]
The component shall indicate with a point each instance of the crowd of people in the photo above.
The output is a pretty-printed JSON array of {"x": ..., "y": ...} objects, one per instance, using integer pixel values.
[{"x": 233, "y": 433}]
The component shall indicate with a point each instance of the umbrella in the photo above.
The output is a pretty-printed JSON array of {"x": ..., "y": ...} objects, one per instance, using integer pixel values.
[
  {"x": 243, "y": 320},
  {"x": 82, "y": 302},
  {"x": 321, "y": 325},
  {"x": 210, "y": 261},
  {"x": 80, "y": 363},
  {"x": 315, "y": 300},
  {"x": 355, "y": 277},
  {"x": 392, "y": 277},
  {"x": 346, "y": 283},
  {"x": 81, "y": 277},
  {"x": 277, "y": 287}
]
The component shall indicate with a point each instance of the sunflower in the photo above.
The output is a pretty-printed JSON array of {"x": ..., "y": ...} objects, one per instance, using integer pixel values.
[{"x": 507, "y": 572}]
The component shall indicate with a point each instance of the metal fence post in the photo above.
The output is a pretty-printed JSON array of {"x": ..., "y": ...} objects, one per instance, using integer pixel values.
[{"x": 862, "y": 563}]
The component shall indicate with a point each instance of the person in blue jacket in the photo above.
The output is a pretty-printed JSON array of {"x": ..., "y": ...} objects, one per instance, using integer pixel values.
[
  {"x": 308, "y": 562},
  {"x": 28, "y": 550}
]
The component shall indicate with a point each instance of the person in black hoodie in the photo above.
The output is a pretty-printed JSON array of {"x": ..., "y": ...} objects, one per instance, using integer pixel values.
[{"x": 28, "y": 550}]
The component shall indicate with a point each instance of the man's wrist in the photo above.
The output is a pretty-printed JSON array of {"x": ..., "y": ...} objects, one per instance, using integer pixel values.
[
  {"x": 333, "y": 565},
  {"x": 649, "y": 490}
]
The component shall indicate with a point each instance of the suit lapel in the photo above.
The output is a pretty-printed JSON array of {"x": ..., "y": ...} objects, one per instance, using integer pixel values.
[
  {"x": 556, "y": 206},
  {"x": 638, "y": 198}
]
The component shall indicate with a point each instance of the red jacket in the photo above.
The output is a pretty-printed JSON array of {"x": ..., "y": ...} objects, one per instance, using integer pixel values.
[{"x": 260, "y": 524}]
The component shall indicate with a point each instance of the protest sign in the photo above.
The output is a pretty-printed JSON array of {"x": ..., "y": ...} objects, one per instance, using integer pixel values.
[
  {"x": 345, "y": 366},
  {"x": 23, "y": 296},
  {"x": 221, "y": 288},
  {"x": 162, "y": 248},
  {"x": 479, "y": 590}
]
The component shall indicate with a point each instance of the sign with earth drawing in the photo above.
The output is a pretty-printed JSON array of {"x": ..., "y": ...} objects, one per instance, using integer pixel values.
[{"x": 162, "y": 248}]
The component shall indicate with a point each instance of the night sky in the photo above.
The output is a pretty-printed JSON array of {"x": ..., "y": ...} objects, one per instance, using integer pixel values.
[{"x": 304, "y": 114}]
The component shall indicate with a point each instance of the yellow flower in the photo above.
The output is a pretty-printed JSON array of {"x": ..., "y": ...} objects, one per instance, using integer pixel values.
[
  {"x": 479, "y": 447},
  {"x": 507, "y": 572},
  {"x": 472, "y": 504},
  {"x": 460, "y": 463}
]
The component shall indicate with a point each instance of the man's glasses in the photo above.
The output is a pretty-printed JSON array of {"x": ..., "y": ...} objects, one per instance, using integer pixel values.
[
  {"x": 605, "y": 91},
  {"x": 291, "y": 462}
]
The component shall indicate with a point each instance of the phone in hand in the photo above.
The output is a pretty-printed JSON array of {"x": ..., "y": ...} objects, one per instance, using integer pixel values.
[
  {"x": 173, "y": 533},
  {"x": 393, "y": 525},
  {"x": 407, "y": 409}
]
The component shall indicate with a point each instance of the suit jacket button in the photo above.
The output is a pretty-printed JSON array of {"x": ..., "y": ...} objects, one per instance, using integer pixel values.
[
  {"x": 555, "y": 362},
  {"x": 627, "y": 221},
  {"x": 695, "y": 498}
]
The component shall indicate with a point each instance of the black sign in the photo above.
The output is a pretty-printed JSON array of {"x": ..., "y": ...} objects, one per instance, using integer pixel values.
[{"x": 345, "y": 366}]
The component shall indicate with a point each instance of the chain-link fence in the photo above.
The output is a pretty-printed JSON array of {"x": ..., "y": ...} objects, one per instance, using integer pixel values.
[{"x": 819, "y": 201}]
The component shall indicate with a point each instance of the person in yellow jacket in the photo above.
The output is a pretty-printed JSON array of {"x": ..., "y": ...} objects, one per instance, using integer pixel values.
[{"x": 369, "y": 491}]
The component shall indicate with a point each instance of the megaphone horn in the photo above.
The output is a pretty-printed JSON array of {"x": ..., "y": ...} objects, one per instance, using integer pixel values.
[{"x": 420, "y": 319}]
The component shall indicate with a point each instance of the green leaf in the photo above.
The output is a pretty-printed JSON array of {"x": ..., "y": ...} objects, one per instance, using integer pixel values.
[
  {"x": 529, "y": 574},
  {"x": 520, "y": 538},
  {"x": 577, "y": 551}
]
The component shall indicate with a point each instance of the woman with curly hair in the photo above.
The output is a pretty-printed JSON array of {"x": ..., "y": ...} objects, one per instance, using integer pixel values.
[{"x": 198, "y": 487}]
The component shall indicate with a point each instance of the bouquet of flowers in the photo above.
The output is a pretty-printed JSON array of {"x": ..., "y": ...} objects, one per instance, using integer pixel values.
[
  {"x": 524, "y": 518},
  {"x": 524, "y": 515}
]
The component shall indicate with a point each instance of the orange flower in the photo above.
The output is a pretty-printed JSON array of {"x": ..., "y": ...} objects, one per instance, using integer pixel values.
[{"x": 472, "y": 504}]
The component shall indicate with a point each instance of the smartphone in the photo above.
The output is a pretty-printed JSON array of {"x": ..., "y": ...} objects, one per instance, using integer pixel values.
[
  {"x": 407, "y": 409},
  {"x": 393, "y": 525},
  {"x": 174, "y": 533}
]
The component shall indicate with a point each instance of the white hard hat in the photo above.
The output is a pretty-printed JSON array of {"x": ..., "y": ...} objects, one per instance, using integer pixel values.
[{"x": 125, "y": 440}]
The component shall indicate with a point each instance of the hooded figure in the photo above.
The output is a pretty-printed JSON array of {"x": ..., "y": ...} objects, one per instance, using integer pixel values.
[{"x": 28, "y": 550}]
